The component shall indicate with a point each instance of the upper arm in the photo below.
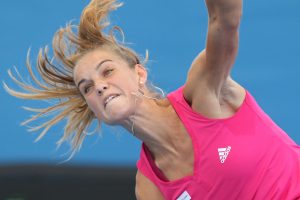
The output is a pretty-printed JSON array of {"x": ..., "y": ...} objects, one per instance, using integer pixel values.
[
  {"x": 211, "y": 68},
  {"x": 220, "y": 53},
  {"x": 145, "y": 189}
]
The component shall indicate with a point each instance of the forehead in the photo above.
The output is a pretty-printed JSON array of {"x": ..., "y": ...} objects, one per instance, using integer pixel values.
[
  {"x": 94, "y": 56},
  {"x": 91, "y": 59}
]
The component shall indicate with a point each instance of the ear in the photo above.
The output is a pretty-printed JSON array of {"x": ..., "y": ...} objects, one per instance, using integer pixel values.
[{"x": 142, "y": 73}]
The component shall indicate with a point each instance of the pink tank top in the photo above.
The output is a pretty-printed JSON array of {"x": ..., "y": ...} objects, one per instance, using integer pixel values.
[{"x": 246, "y": 156}]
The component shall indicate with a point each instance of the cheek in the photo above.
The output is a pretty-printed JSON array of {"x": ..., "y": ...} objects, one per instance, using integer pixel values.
[
  {"x": 129, "y": 84},
  {"x": 93, "y": 104},
  {"x": 127, "y": 79}
]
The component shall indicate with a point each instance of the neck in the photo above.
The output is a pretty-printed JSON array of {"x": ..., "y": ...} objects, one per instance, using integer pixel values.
[{"x": 153, "y": 123}]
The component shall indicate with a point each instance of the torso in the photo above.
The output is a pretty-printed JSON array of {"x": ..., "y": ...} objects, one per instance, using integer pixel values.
[
  {"x": 260, "y": 154},
  {"x": 182, "y": 165}
]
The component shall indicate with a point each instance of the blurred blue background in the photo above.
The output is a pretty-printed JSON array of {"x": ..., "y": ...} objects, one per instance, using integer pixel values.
[{"x": 174, "y": 32}]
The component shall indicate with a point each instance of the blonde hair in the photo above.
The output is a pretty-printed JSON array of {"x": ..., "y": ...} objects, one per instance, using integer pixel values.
[{"x": 69, "y": 45}]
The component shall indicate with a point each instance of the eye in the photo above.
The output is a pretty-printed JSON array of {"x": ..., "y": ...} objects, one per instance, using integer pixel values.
[
  {"x": 87, "y": 88},
  {"x": 107, "y": 72}
]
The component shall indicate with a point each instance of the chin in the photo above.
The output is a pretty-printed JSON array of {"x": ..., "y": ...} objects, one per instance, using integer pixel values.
[{"x": 116, "y": 115}]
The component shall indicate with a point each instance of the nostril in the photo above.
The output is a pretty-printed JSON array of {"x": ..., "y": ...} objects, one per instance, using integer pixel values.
[{"x": 101, "y": 89}]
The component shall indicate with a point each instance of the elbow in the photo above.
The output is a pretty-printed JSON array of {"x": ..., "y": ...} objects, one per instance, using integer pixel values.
[
  {"x": 229, "y": 21},
  {"x": 232, "y": 20},
  {"x": 226, "y": 13}
]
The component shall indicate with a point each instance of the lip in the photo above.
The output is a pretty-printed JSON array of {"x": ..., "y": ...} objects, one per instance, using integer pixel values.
[{"x": 107, "y": 97}]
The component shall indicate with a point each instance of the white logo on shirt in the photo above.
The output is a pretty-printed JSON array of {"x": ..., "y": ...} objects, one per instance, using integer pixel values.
[
  {"x": 184, "y": 196},
  {"x": 223, "y": 153}
]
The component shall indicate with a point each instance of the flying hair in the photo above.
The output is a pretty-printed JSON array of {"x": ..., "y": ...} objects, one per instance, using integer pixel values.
[{"x": 53, "y": 76}]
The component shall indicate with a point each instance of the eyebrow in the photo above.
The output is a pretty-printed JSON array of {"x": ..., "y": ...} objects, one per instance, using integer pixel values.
[{"x": 96, "y": 68}]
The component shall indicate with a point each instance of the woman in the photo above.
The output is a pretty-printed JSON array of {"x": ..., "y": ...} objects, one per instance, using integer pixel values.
[{"x": 207, "y": 140}]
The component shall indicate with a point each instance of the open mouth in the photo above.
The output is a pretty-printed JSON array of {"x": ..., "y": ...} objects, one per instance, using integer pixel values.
[{"x": 110, "y": 98}]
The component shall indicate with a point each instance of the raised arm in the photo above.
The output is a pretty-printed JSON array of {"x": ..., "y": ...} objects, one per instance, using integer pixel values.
[
  {"x": 210, "y": 69},
  {"x": 222, "y": 38}
]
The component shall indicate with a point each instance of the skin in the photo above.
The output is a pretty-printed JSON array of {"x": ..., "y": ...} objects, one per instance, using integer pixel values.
[
  {"x": 101, "y": 71},
  {"x": 168, "y": 141},
  {"x": 126, "y": 108},
  {"x": 146, "y": 114},
  {"x": 209, "y": 90}
]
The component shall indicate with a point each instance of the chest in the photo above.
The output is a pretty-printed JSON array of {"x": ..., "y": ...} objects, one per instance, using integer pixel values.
[
  {"x": 232, "y": 150},
  {"x": 181, "y": 164}
]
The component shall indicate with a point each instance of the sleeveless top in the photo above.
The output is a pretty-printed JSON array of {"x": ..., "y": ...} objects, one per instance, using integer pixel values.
[{"x": 245, "y": 157}]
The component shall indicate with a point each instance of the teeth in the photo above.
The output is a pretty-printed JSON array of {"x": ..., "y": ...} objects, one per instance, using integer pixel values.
[{"x": 110, "y": 98}]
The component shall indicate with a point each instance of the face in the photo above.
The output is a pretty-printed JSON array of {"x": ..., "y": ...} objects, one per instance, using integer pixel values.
[{"x": 106, "y": 81}]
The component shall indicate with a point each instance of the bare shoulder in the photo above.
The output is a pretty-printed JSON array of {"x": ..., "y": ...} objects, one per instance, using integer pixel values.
[
  {"x": 212, "y": 105},
  {"x": 145, "y": 189}
]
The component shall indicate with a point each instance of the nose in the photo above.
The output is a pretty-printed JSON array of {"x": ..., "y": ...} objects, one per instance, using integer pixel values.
[{"x": 100, "y": 88}]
